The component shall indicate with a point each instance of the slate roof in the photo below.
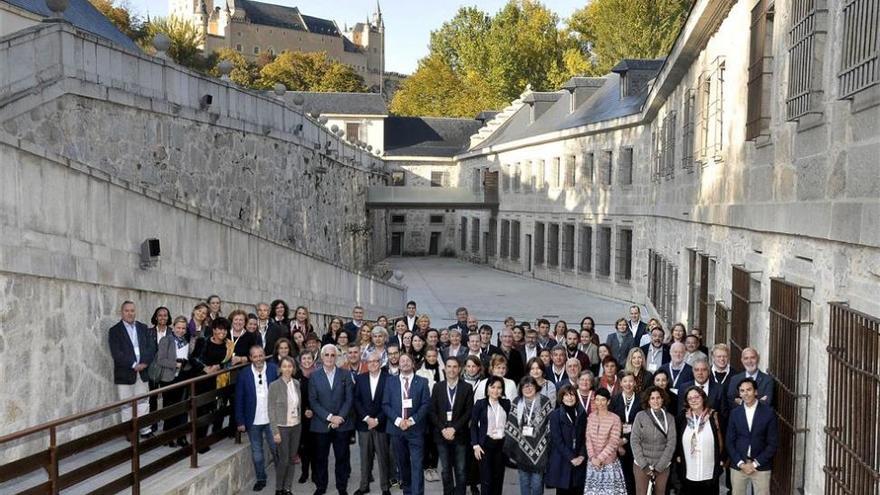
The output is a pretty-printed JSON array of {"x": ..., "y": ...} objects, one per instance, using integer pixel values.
[
  {"x": 341, "y": 103},
  {"x": 428, "y": 136},
  {"x": 281, "y": 16},
  {"x": 84, "y": 16},
  {"x": 637, "y": 64},
  {"x": 604, "y": 104}
]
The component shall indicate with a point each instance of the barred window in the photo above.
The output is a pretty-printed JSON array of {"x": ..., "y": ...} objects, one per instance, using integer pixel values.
[
  {"x": 528, "y": 177},
  {"x": 808, "y": 20},
  {"x": 585, "y": 250},
  {"x": 464, "y": 226},
  {"x": 398, "y": 178},
  {"x": 475, "y": 235},
  {"x": 505, "y": 238},
  {"x": 710, "y": 115},
  {"x": 587, "y": 168},
  {"x": 539, "y": 243},
  {"x": 439, "y": 179},
  {"x": 505, "y": 178},
  {"x": 554, "y": 174},
  {"x": 493, "y": 233},
  {"x": 669, "y": 145},
  {"x": 514, "y": 240},
  {"x": 539, "y": 176},
  {"x": 687, "y": 132},
  {"x": 604, "y": 268},
  {"x": 625, "y": 166},
  {"x": 860, "y": 57},
  {"x": 553, "y": 245},
  {"x": 517, "y": 178},
  {"x": 605, "y": 172},
  {"x": 568, "y": 247},
  {"x": 623, "y": 263},
  {"x": 662, "y": 285},
  {"x": 760, "y": 70},
  {"x": 570, "y": 163}
]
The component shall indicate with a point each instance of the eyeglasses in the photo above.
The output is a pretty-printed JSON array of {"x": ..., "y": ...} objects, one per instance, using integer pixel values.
[{"x": 329, "y": 355}]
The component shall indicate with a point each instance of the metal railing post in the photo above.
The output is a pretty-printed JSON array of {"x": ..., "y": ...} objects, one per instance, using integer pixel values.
[
  {"x": 194, "y": 435},
  {"x": 135, "y": 443},
  {"x": 53, "y": 461}
]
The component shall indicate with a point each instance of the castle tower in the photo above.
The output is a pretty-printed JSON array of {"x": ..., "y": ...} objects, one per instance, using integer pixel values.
[
  {"x": 202, "y": 17},
  {"x": 380, "y": 26}
]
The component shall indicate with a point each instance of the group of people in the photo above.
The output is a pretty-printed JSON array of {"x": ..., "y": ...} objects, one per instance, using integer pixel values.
[{"x": 643, "y": 409}]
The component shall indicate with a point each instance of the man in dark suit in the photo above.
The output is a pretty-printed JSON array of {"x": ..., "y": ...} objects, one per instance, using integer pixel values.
[
  {"x": 679, "y": 371},
  {"x": 656, "y": 354},
  {"x": 545, "y": 340},
  {"x": 353, "y": 327},
  {"x": 252, "y": 409},
  {"x": 370, "y": 423},
  {"x": 556, "y": 372},
  {"x": 636, "y": 326},
  {"x": 132, "y": 352},
  {"x": 406, "y": 403},
  {"x": 331, "y": 397},
  {"x": 530, "y": 349},
  {"x": 461, "y": 315},
  {"x": 411, "y": 316},
  {"x": 572, "y": 339},
  {"x": 750, "y": 360},
  {"x": 487, "y": 350},
  {"x": 752, "y": 440},
  {"x": 451, "y": 403},
  {"x": 268, "y": 334},
  {"x": 714, "y": 392}
]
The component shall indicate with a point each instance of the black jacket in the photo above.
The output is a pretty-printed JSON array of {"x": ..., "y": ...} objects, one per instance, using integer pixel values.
[
  {"x": 365, "y": 404},
  {"x": 461, "y": 411},
  {"x": 479, "y": 423},
  {"x": 123, "y": 355}
]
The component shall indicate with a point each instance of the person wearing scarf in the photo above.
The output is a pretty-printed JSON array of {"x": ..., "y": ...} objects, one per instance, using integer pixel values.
[
  {"x": 699, "y": 451},
  {"x": 567, "y": 459},
  {"x": 527, "y": 436},
  {"x": 173, "y": 359},
  {"x": 653, "y": 442}
]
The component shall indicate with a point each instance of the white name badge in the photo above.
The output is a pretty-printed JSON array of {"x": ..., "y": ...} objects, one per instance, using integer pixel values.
[
  {"x": 449, "y": 416},
  {"x": 528, "y": 431},
  {"x": 627, "y": 429},
  {"x": 674, "y": 391},
  {"x": 407, "y": 403}
]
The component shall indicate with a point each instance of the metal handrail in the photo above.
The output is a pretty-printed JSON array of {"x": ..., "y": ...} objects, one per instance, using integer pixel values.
[{"x": 113, "y": 405}]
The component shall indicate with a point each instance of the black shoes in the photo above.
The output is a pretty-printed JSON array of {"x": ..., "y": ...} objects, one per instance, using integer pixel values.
[
  {"x": 361, "y": 492},
  {"x": 204, "y": 450},
  {"x": 259, "y": 485},
  {"x": 302, "y": 479},
  {"x": 182, "y": 442}
]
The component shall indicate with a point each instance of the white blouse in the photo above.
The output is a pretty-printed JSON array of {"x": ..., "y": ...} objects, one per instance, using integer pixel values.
[
  {"x": 292, "y": 405},
  {"x": 496, "y": 419},
  {"x": 700, "y": 464}
]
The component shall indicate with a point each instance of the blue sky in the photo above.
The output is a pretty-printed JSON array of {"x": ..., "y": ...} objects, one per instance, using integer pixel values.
[{"x": 408, "y": 23}]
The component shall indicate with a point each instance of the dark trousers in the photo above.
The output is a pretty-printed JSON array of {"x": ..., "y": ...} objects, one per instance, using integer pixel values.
[
  {"x": 492, "y": 468},
  {"x": 409, "y": 449},
  {"x": 203, "y": 387},
  {"x": 431, "y": 455},
  {"x": 374, "y": 444},
  {"x": 339, "y": 440},
  {"x": 689, "y": 487},
  {"x": 154, "y": 401},
  {"x": 570, "y": 491},
  {"x": 453, "y": 457},
  {"x": 306, "y": 448},
  {"x": 169, "y": 398},
  {"x": 626, "y": 462}
]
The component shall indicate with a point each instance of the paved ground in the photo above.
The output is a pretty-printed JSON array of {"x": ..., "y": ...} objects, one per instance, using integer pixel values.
[{"x": 439, "y": 285}]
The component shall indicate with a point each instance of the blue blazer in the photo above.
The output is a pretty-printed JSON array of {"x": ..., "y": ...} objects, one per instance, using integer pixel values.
[
  {"x": 246, "y": 393},
  {"x": 763, "y": 437},
  {"x": 684, "y": 376},
  {"x": 567, "y": 441},
  {"x": 367, "y": 405},
  {"x": 480, "y": 418},
  {"x": 392, "y": 404},
  {"x": 324, "y": 401},
  {"x": 123, "y": 352},
  {"x": 620, "y": 350},
  {"x": 765, "y": 389}
]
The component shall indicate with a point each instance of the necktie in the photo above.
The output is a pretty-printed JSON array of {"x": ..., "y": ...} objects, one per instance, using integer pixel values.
[{"x": 405, "y": 396}]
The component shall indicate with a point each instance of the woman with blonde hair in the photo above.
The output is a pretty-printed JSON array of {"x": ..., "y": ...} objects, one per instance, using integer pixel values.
[
  {"x": 635, "y": 364},
  {"x": 423, "y": 324}
]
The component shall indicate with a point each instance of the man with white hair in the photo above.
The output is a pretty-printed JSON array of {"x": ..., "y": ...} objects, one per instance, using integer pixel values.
[
  {"x": 679, "y": 371},
  {"x": 371, "y": 419},
  {"x": 750, "y": 359},
  {"x": 331, "y": 396}
]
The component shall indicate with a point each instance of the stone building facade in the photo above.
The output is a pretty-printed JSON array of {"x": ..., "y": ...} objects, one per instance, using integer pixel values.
[
  {"x": 733, "y": 186},
  {"x": 253, "y": 28},
  {"x": 103, "y": 148}
]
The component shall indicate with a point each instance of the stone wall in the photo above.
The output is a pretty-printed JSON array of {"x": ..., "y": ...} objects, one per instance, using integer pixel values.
[{"x": 101, "y": 149}]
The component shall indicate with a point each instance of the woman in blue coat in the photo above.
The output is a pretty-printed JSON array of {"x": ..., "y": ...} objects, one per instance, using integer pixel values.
[{"x": 568, "y": 456}]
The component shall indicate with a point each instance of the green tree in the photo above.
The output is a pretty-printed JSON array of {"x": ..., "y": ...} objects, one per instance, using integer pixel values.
[
  {"x": 479, "y": 62},
  {"x": 618, "y": 29},
  {"x": 186, "y": 40},
  {"x": 243, "y": 73},
  {"x": 307, "y": 71},
  {"x": 120, "y": 14}
]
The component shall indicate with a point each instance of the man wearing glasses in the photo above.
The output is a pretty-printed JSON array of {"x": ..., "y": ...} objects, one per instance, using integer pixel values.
[
  {"x": 252, "y": 409},
  {"x": 373, "y": 441},
  {"x": 331, "y": 395}
]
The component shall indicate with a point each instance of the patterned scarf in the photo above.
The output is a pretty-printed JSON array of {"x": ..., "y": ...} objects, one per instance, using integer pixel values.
[
  {"x": 697, "y": 423},
  {"x": 529, "y": 452}
]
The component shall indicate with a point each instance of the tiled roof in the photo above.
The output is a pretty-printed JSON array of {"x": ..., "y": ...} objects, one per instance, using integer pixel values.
[
  {"x": 637, "y": 64},
  {"x": 84, "y": 16},
  {"x": 428, "y": 136},
  {"x": 341, "y": 103},
  {"x": 268, "y": 14},
  {"x": 321, "y": 26}
]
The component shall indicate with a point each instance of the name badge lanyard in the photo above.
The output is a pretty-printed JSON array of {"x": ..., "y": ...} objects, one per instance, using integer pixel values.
[
  {"x": 726, "y": 376},
  {"x": 627, "y": 408},
  {"x": 585, "y": 401},
  {"x": 528, "y": 418},
  {"x": 496, "y": 416},
  {"x": 675, "y": 376},
  {"x": 450, "y": 395}
]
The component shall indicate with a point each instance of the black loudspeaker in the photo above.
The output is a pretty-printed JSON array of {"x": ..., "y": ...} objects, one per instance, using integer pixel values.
[
  {"x": 150, "y": 253},
  {"x": 153, "y": 247}
]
